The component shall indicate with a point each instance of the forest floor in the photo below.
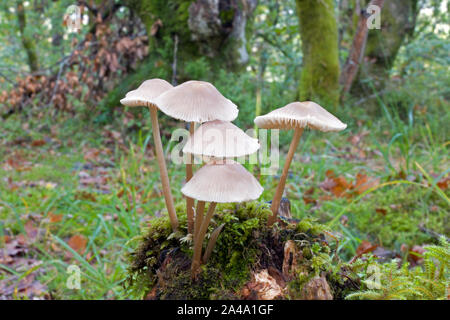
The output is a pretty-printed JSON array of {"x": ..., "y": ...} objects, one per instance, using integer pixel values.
[{"x": 76, "y": 193}]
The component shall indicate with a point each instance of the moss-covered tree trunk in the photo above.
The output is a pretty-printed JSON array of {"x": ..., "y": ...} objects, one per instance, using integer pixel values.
[
  {"x": 319, "y": 35},
  {"x": 215, "y": 30},
  {"x": 398, "y": 19},
  {"x": 27, "y": 41}
]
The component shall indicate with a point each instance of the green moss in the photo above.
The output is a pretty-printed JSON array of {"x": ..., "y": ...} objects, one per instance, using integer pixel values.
[
  {"x": 318, "y": 31},
  {"x": 226, "y": 16},
  {"x": 162, "y": 259},
  {"x": 310, "y": 225},
  {"x": 173, "y": 13}
]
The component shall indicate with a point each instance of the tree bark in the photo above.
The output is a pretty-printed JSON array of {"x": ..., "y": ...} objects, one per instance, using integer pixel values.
[
  {"x": 213, "y": 29},
  {"x": 398, "y": 19},
  {"x": 318, "y": 30},
  {"x": 27, "y": 41}
]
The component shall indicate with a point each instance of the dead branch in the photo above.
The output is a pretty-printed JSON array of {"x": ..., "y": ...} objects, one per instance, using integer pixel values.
[{"x": 356, "y": 55}]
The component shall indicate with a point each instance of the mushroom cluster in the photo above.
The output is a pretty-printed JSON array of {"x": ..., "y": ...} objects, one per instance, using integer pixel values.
[
  {"x": 195, "y": 102},
  {"x": 218, "y": 142},
  {"x": 221, "y": 180}
]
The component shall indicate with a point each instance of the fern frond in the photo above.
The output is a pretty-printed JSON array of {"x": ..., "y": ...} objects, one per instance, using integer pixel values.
[{"x": 429, "y": 281}]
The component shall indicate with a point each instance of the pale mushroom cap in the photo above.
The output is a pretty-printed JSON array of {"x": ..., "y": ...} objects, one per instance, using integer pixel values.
[
  {"x": 226, "y": 181},
  {"x": 146, "y": 93},
  {"x": 220, "y": 139},
  {"x": 300, "y": 115},
  {"x": 197, "y": 101}
]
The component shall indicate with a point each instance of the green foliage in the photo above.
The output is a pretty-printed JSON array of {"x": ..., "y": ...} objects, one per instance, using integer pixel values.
[
  {"x": 43, "y": 25},
  {"x": 389, "y": 282}
]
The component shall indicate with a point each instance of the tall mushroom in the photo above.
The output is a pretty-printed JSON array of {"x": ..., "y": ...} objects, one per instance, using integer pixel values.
[
  {"x": 297, "y": 116},
  {"x": 195, "y": 101},
  {"x": 217, "y": 182},
  {"x": 145, "y": 96}
]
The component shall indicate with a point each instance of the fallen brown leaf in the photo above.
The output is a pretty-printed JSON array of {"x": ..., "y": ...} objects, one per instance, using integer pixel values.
[
  {"x": 38, "y": 143},
  {"x": 78, "y": 243},
  {"x": 444, "y": 183},
  {"x": 365, "y": 247},
  {"x": 31, "y": 230},
  {"x": 54, "y": 217}
]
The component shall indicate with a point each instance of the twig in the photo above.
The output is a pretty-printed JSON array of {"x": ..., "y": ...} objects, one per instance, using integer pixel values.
[
  {"x": 6, "y": 78},
  {"x": 62, "y": 66},
  {"x": 432, "y": 233},
  {"x": 275, "y": 44},
  {"x": 374, "y": 95}
]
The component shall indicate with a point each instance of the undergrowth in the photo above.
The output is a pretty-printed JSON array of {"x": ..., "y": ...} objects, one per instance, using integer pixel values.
[{"x": 388, "y": 281}]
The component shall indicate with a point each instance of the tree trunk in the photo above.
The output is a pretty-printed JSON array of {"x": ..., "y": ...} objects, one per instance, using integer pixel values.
[
  {"x": 212, "y": 29},
  {"x": 27, "y": 41},
  {"x": 398, "y": 19},
  {"x": 318, "y": 30}
]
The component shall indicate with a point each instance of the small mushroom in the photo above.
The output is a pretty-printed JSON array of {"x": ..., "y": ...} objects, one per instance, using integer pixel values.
[
  {"x": 220, "y": 139},
  {"x": 146, "y": 93},
  {"x": 145, "y": 96},
  {"x": 217, "y": 182},
  {"x": 297, "y": 116},
  {"x": 195, "y": 101}
]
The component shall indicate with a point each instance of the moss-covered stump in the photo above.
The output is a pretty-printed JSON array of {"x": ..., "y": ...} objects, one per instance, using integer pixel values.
[{"x": 249, "y": 261}]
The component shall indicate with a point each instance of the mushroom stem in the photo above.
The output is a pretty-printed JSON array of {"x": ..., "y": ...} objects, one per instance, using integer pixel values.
[
  {"x": 198, "y": 222},
  {"x": 162, "y": 169},
  {"x": 280, "y": 188},
  {"x": 205, "y": 223},
  {"x": 189, "y": 201},
  {"x": 198, "y": 218},
  {"x": 198, "y": 242}
]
